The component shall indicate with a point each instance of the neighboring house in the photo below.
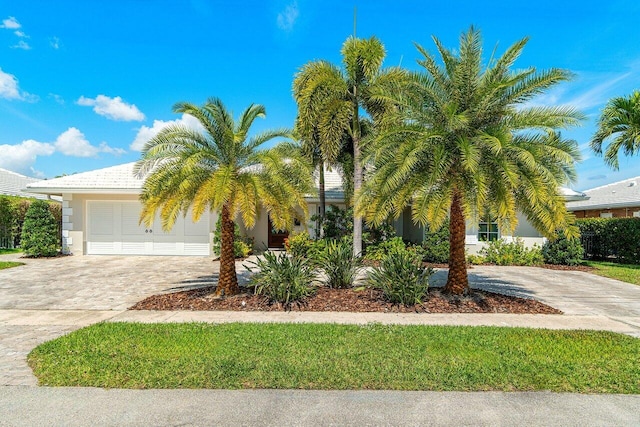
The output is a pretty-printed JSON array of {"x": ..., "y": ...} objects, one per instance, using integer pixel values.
[
  {"x": 14, "y": 184},
  {"x": 101, "y": 212},
  {"x": 617, "y": 200}
]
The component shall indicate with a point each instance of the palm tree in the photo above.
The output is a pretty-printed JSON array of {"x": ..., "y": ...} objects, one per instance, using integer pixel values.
[
  {"x": 221, "y": 169},
  {"x": 468, "y": 144},
  {"x": 330, "y": 98},
  {"x": 620, "y": 120}
]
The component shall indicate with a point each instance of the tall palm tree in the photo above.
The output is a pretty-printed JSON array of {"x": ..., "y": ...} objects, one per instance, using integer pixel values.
[
  {"x": 221, "y": 168},
  {"x": 620, "y": 121},
  {"x": 468, "y": 144},
  {"x": 330, "y": 99}
]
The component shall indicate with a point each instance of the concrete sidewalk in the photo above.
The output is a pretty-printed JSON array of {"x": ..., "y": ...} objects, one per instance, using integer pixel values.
[{"x": 30, "y": 406}]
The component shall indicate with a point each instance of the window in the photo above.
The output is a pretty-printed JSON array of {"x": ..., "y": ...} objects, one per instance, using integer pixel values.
[
  {"x": 636, "y": 214},
  {"x": 488, "y": 231},
  {"x": 606, "y": 215}
]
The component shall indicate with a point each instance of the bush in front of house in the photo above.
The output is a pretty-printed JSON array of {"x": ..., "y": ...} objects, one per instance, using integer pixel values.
[
  {"x": 39, "y": 231},
  {"x": 500, "y": 252},
  {"x": 7, "y": 222},
  {"x": 242, "y": 247},
  {"x": 282, "y": 278},
  {"x": 615, "y": 239},
  {"x": 339, "y": 264},
  {"x": 379, "y": 251},
  {"x": 563, "y": 251},
  {"x": 436, "y": 245},
  {"x": 401, "y": 277}
]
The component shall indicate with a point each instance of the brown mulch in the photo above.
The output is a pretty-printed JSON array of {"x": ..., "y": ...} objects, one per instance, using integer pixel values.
[
  {"x": 584, "y": 268},
  {"x": 351, "y": 300}
]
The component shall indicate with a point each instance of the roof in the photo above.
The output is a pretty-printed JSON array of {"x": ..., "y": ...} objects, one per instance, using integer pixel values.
[
  {"x": 115, "y": 179},
  {"x": 120, "y": 179},
  {"x": 14, "y": 184},
  {"x": 619, "y": 194},
  {"x": 571, "y": 195}
]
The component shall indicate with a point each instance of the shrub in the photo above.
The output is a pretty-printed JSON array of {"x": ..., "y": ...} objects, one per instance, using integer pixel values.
[
  {"x": 401, "y": 277},
  {"x": 475, "y": 259},
  {"x": 436, "y": 245},
  {"x": 282, "y": 278},
  {"x": 337, "y": 222},
  {"x": 603, "y": 238},
  {"x": 563, "y": 251},
  {"x": 514, "y": 253},
  {"x": 380, "y": 251},
  {"x": 299, "y": 244},
  {"x": 339, "y": 264},
  {"x": 7, "y": 222},
  {"x": 39, "y": 231},
  {"x": 242, "y": 246}
]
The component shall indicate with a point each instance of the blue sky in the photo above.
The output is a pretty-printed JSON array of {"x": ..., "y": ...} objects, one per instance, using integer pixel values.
[{"x": 83, "y": 83}]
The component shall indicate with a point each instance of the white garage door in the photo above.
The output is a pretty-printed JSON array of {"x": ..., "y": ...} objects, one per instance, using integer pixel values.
[{"x": 112, "y": 229}]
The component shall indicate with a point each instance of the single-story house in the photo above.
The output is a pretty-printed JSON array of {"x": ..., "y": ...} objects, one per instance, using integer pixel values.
[
  {"x": 617, "y": 200},
  {"x": 13, "y": 184},
  {"x": 101, "y": 211}
]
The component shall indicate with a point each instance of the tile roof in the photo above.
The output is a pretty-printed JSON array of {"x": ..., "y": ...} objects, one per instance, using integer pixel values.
[
  {"x": 114, "y": 179},
  {"x": 121, "y": 179},
  {"x": 14, "y": 184},
  {"x": 619, "y": 194}
]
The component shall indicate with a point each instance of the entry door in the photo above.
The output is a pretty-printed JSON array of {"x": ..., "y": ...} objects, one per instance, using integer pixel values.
[{"x": 276, "y": 237}]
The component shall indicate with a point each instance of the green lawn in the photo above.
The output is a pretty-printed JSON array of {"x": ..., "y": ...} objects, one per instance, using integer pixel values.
[
  {"x": 326, "y": 356},
  {"x": 9, "y": 264},
  {"x": 629, "y": 273},
  {"x": 9, "y": 251}
]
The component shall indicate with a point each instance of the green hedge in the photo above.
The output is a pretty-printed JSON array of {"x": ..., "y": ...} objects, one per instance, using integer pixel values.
[{"x": 607, "y": 238}]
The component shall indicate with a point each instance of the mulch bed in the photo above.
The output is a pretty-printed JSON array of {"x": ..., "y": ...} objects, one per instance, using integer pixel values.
[{"x": 351, "y": 300}]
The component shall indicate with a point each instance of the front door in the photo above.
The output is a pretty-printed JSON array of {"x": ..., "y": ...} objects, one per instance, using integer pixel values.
[{"x": 276, "y": 237}]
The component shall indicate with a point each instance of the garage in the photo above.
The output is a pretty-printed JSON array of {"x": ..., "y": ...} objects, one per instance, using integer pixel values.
[{"x": 113, "y": 229}]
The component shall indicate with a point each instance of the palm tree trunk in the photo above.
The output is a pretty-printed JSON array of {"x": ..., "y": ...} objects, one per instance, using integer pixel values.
[
  {"x": 323, "y": 199},
  {"x": 228, "y": 280},
  {"x": 457, "y": 280},
  {"x": 357, "y": 182}
]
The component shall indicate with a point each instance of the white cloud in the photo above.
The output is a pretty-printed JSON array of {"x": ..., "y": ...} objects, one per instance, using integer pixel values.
[
  {"x": 112, "y": 108},
  {"x": 10, "y": 23},
  {"x": 54, "y": 42},
  {"x": 21, "y": 34},
  {"x": 9, "y": 86},
  {"x": 145, "y": 133},
  {"x": 57, "y": 98},
  {"x": 287, "y": 18},
  {"x": 21, "y": 45},
  {"x": 22, "y": 156},
  {"x": 72, "y": 142}
]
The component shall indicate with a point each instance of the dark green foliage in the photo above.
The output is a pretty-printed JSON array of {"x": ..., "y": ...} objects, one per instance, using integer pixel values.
[
  {"x": 617, "y": 239},
  {"x": 513, "y": 253},
  {"x": 337, "y": 222},
  {"x": 283, "y": 279},
  {"x": 7, "y": 222},
  {"x": 401, "y": 277},
  {"x": 563, "y": 251},
  {"x": 339, "y": 264},
  {"x": 436, "y": 245},
  {"x": 39, "y": 231},
  {"x": 242, "y": 246}
]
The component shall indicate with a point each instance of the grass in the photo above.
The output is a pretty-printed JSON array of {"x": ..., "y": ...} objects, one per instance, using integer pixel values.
[
  {"x": 328, "y": 356},
  {"x": 629, "y": 273},
  {"x": 4, "y": 251},
  {"x": 9, "y": 264}
]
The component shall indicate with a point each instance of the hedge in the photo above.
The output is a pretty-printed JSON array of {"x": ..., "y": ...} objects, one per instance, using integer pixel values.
[{"x": 617, "y": 239}]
